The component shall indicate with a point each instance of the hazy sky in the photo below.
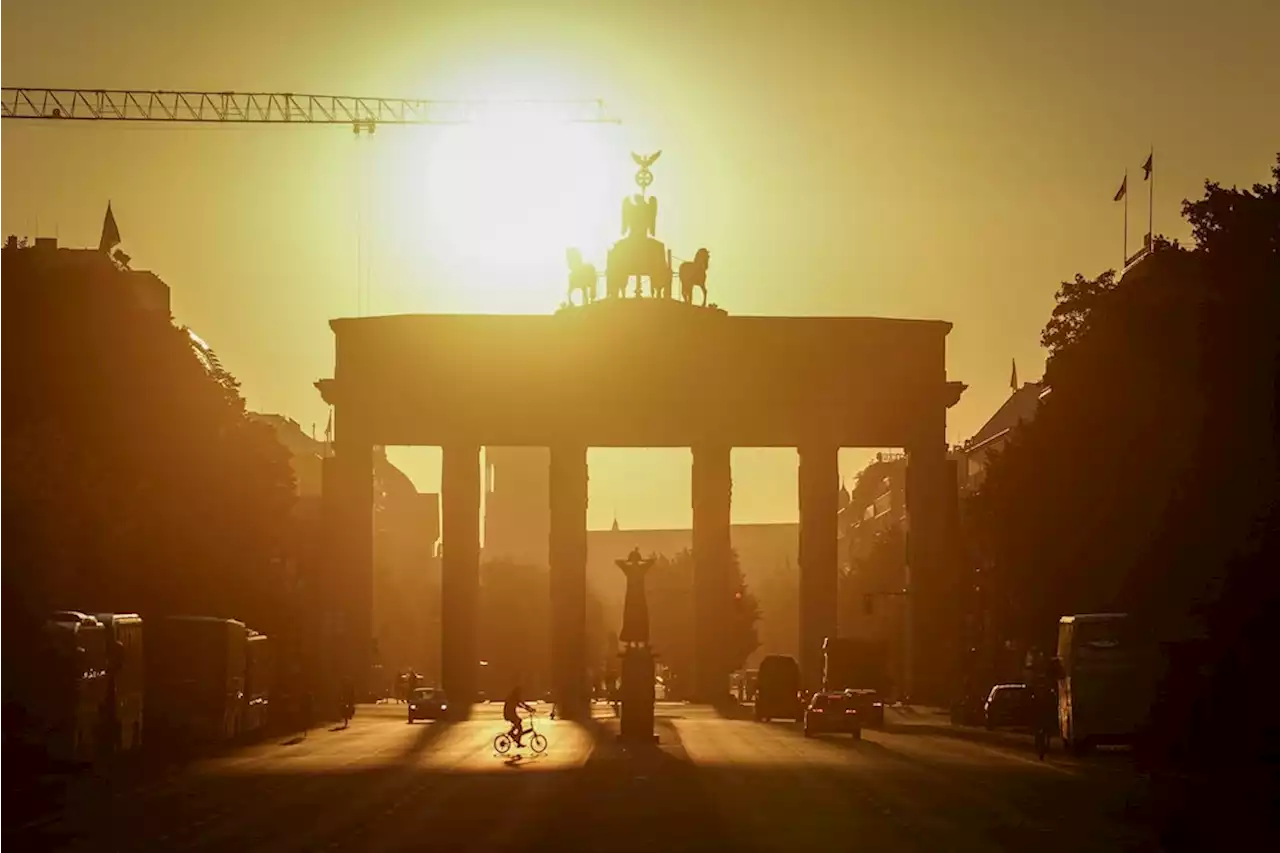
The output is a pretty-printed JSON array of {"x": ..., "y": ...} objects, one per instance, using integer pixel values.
[{"x": 942, "y": 160}]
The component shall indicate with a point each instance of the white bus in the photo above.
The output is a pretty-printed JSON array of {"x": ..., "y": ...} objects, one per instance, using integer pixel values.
[
  {"x": 126, "y": 679},
  {"x": 195, "y": 678},
  {"x": 1106, "y": 681}
]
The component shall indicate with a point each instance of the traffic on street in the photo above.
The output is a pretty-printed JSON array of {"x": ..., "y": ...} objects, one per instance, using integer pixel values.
[{"x": 711, "y": 783}]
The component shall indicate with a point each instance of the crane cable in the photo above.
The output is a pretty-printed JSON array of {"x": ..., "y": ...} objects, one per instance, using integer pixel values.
[{"x": 364, "y": 213}]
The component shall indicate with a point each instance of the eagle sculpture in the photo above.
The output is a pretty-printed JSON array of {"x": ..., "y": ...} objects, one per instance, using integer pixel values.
[{"x": 645, "y": 162}]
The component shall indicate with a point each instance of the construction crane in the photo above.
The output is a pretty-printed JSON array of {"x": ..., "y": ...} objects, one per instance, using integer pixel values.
[{"x": 359, "y": 113}]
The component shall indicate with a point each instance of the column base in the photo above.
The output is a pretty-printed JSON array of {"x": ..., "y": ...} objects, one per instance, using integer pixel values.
[
  {"x": 623, "y": 739},
  {"x": 573, "y": 711},
  {"x": 637, "y": 696}
]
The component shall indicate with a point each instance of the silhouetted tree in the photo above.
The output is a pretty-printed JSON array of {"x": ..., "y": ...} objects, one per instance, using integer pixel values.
[
  {"x": 669, "y": 587},
  {"x": 1148, "y": 480},
  {"x": 671, "y": 615},
  {"x": 1129, "y": 477},
  {"x": 779, "y": 600},
  {"x": 744, "y": 616}
]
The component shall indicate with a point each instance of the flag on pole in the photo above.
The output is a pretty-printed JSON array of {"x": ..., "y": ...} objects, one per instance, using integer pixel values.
[
  {"x": 1124, "y": 188},
  {"x": 328, "y": 429},
  {"x": 1148, "y": 175},
  {"x": 110, "y": 233},
  {"x": 1013, "y": 380}
]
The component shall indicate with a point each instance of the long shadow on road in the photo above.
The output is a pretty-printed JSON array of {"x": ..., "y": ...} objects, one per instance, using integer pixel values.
[
  {"x": 770, "y": 789},
  {"x": 1014, "y": 741},
  {"x": 633, "y": 798},
  {"x": 221, "y": 802}
]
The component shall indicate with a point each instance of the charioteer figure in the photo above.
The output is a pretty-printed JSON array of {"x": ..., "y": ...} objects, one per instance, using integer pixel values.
[{"x": 639, "y": 253}]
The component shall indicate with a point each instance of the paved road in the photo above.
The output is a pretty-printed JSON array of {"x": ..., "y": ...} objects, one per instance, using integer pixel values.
[{"x": 714, "y": 784}]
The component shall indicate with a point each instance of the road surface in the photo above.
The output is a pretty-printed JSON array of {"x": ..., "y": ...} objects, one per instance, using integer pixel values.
[{"x": 713, "y": 784}]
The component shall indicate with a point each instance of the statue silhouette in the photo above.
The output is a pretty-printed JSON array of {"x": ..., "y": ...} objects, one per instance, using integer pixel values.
[
  {"x": 639, "y": 254},
  {"x": 694, "y": 274},
  {"x": 582, "y": 277},
  {"x": 635, "y": 609}
]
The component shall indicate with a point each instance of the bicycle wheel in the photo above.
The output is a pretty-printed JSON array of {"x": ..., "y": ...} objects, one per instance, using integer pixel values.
[
  {"x": 502, "y": 743},
  {"x": 538, "y": 743}
]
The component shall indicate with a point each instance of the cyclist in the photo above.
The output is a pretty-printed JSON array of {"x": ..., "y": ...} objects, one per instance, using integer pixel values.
[{"x": 511, "y": 713}]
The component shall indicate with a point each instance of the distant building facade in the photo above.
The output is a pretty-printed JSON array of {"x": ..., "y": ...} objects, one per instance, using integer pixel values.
[
  {"x": 990, "y": 660},
  {"x": 976, "y": 453},
  {"x": 517, "y": 526},
  {"x": 517, "y": 508},
  {"x": 873, "y": 559},
  {"x": 406, "y": 532}
]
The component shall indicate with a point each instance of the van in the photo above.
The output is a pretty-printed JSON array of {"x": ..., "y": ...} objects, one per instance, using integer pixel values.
[{"x": 778, "y": 689}]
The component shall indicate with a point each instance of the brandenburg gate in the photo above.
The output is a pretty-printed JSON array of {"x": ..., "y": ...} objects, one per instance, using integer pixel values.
[{"x": 641, "y": 371}]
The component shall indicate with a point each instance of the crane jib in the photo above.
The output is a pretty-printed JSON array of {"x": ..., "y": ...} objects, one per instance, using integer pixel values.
[{"x": 278, "y": 107}]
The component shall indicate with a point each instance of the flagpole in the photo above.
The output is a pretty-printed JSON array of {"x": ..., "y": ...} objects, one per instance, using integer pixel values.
[
  {"x": 1124, "y": 258},
  {"x": 1151, "y": 199}
]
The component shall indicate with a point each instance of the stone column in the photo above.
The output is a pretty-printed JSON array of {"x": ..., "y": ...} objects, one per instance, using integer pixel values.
[
  {"x": 819, "y": 568},
  {"x": 933, "y": 568},
  {"x": 347, "y": 512},
  {"x": 712, "y": 584},
  {"x": 568, "y": 560},
  {"x": 460, "y": 573}
]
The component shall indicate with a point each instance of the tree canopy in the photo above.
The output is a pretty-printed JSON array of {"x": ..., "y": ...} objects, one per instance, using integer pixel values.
[
  {"x": 1151, "y": 466},
  {"x": 672, "y": 620},
  {"x": 1147, "y": 482}
]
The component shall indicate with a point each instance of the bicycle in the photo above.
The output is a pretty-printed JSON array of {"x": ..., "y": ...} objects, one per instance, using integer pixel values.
[{"x": 503, "y": 742}]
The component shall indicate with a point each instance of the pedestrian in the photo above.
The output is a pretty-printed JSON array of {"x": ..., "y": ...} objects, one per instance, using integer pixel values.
[{"x": 1044, "y": 697}]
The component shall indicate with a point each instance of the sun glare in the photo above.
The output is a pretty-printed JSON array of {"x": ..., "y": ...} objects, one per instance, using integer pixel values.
[{"x": 497, "y": 202}]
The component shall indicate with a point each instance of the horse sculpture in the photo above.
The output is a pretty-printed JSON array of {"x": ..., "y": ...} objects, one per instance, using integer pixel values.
[
  {"x": 694, "y": 274},
  {"x": 582, "y": 277},
  {"x": 660, "y": 284}
]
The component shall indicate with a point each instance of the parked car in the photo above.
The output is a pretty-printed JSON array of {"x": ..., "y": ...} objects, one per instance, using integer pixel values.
[
  {"x": 427, "y": 703},
  {"x": 834, "y": 713},
  {"x": 1008, "y": 705},
  {"x": 869, "y": 705}
]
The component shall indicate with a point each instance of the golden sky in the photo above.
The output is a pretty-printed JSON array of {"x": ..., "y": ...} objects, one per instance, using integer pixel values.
[{"x": 942, "y": 160}]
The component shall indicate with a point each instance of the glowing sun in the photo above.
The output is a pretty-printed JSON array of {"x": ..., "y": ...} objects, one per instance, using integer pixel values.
[{"x": 499, "y": 201}]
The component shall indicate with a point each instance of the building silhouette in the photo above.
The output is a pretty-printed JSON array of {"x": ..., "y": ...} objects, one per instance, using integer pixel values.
[{"x": 976, "y": 452}]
